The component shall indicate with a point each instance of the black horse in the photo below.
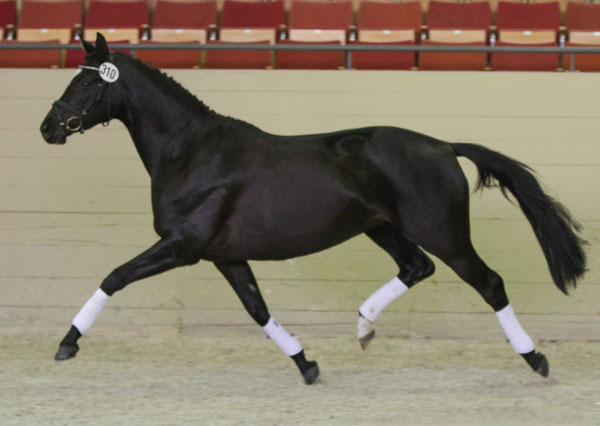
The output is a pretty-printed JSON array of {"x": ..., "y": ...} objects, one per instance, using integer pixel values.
[{"x": 228, "y": 192}]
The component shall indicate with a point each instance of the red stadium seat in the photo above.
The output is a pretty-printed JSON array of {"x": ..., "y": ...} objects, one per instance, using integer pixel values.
[
  {"x": 383, "y": 60},
  {"x": 169, "y": 58},
  {"x": 376, "y": 15},
  {"x": 174, "y": 14},
  {"x": 252, "y": 14},
  {"x": 122, "y": 20},
  {"x": 239, "y": 59},
  {"x": 476, "y": 15},
  {"x": 247, "y": 22},
  {"x": 583, "y": 16},
  {"x": 452, "y": 61},
  {"x": 387, "y": 23},
  {"x": 28, "y": 58},
  {"x": 332, "y": 15},
  {"x": 583, "y": 29},
  {"x": 523, "y": 24},
  {"x": 323, "y": 60},
  {"x": 528, "y": 16},
  {"x": 524, "y": 61},
  {"x": 49, "y": 20},
  {"x": 456, "y": 24},
  {"x": 50, "y": 14},
  {"x": 177, "y": 21},
  {"x": 316, "y": 22}
]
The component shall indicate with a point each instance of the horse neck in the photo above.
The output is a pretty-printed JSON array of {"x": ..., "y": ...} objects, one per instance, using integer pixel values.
[{"x": 160, "y": 123}]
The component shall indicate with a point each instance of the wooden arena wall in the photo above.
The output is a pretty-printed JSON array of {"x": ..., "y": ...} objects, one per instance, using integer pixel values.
[{"x": 70, "y": 214}]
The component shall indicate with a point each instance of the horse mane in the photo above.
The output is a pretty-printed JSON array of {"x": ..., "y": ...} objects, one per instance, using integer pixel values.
[{"x": 172, "y": 86}]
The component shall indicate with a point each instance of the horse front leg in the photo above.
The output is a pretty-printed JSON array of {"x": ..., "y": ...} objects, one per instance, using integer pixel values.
[
  {"x": 241, "y": 278},
  {"x": 166, "y": 254}
]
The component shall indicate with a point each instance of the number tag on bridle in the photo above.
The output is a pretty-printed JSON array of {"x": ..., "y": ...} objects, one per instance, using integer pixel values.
[{"x": 108, "y": 72}]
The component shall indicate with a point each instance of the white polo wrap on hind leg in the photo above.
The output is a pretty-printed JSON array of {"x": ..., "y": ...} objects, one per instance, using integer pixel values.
[
  {"x": 377, "y": 302},
  {"x": 515, "y": 333},
  {"x": 288, "y": 343},
  {"x": 90, "y": 311}
]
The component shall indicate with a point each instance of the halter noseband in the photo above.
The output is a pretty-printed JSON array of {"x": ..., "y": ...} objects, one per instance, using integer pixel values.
[{"x": 75, "y": 122}]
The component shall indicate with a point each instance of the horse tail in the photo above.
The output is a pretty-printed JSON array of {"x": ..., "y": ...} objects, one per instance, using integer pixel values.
[{"x": 556, "y": 231}]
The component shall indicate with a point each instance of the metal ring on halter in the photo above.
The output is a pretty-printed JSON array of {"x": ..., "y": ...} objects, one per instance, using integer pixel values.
[{"x": 70, "y": 127}]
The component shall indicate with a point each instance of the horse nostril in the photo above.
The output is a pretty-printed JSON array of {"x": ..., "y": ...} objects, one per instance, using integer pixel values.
[{"x": 45, "y": 128}]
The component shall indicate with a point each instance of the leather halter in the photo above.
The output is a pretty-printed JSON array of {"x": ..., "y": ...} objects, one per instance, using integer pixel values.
[{"x": 74, "y": 123}]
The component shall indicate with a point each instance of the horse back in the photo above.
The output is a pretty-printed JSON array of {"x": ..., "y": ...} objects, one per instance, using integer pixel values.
[{"x": 286, "y": 196}]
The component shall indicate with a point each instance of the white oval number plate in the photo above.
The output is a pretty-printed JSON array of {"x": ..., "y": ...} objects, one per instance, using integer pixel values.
[{"x": 108, "y": 72}]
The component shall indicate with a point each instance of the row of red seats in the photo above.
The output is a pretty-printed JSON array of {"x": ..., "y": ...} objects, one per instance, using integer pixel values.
[
  {"x": 324, "y": 22},
  {"x": 202, "y": 14}
]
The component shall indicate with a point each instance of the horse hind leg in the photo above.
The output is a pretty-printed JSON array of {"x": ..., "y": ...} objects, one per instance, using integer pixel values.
[
  {"x": 414, "y": 266},
  {"x": 490, "y": 286}
]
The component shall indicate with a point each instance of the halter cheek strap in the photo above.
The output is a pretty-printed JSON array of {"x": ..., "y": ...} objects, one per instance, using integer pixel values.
[{"x": 75, "y": 122}]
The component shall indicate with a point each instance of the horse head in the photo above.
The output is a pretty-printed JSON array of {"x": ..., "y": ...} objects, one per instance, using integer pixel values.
[{"x": 88, "y": 99}]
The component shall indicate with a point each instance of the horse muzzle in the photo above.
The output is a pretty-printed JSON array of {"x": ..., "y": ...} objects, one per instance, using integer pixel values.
[{"x": 52, "y": 134}]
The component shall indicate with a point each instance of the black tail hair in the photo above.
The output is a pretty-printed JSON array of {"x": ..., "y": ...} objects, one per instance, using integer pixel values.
[{"x": 557, "y": 232}]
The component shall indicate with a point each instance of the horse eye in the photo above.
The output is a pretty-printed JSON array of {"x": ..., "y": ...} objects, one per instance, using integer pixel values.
[{"x": 85, "y": 83}]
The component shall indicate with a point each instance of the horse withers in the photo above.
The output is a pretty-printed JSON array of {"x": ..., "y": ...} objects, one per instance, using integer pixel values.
[{"x": 227, "y": 192}]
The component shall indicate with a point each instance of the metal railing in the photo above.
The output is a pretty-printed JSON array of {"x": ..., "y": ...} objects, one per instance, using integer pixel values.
[{"x": 347, "y": 48}]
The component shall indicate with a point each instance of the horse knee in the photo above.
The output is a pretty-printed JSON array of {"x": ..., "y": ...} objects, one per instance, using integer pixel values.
[{"x": 112, "y": 284}]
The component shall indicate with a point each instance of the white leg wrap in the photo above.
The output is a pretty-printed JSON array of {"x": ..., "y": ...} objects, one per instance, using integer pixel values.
[
  {"x": 89, "y": 312},
  {"x": 288, "y": 344},
  {"x": 515, "y": 333},
  {"x": 377, "y": 302}
]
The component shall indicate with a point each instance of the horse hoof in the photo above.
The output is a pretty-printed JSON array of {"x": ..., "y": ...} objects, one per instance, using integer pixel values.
[
  {"x": 365, "y": 340},
  {"x": 66, "y": 352},
  {"x": 366, "y": 332},
  {"x": 311, "y": 374},
  {"x": 543, "y": 368},
  {"x": 538, "y": 362}
]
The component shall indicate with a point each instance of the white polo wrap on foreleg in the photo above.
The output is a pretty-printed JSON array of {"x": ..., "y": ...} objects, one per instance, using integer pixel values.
[
  {"x": 288, "y": 344},
  {"x": 377, "y": 302},
  {"x": 515, "y": 333},
  {"x": 90, "y": 311}
]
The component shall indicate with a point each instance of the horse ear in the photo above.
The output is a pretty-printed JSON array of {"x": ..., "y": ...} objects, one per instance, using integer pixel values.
[{"x": 102, "y": 48}]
